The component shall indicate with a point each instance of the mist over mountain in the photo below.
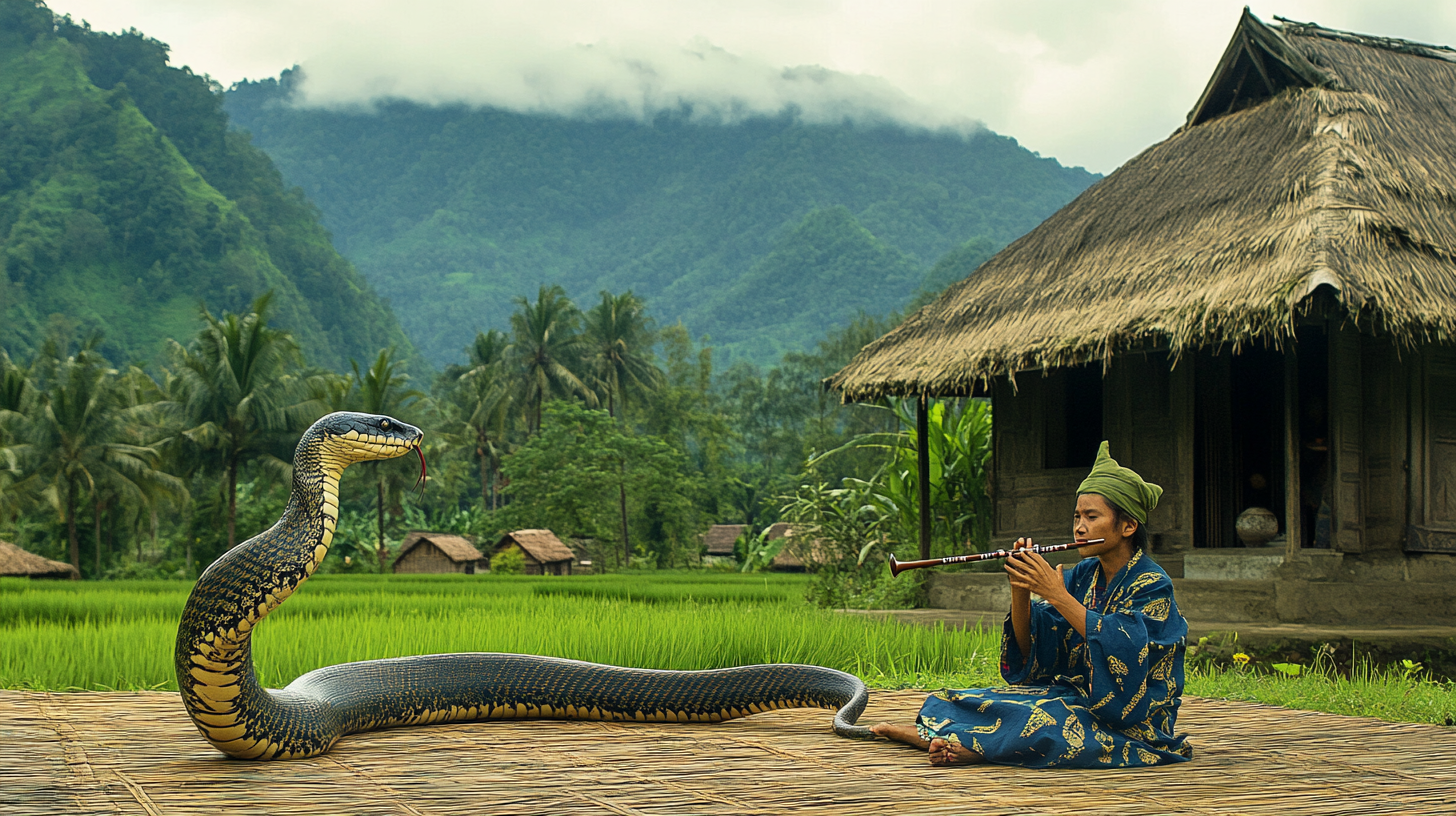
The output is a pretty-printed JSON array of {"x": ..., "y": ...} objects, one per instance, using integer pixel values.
[
  {"x": 760, "y": 233},
  {"x": 699, "y": 80},
  {"x": 125, "y": 202}
]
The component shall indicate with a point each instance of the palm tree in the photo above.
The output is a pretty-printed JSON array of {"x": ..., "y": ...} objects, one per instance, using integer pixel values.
[
  {"x": 238, "y": 392},
  {"x": 619, "y": 340},
  {"x": 548, "y": 349},
  {"x": 618, "y": 355},
  {"x": 489, "y": 349},
  {"x": 73, "y": 441},
  {"x": 381, "y": 390},
  {"x": 150, "y": 424},
  {"x": 333, "y": 392},
  {"x": 478, "y": 408},
  {"x": 16, "y": 396},
  {"x": 15, "y": 387}
]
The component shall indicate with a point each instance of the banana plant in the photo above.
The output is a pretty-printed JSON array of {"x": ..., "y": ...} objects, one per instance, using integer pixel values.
[
  {"x": 847, "y": 525},
  {"x": 959, "y": 450},
  {"x": 761, "y": 551}
]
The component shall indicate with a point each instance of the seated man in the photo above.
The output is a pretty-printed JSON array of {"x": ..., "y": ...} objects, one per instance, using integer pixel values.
[{"x": 1096, "y": 667}]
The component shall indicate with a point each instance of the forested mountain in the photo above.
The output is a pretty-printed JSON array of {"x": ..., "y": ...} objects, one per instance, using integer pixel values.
[
  {"x": 125, "y": 201},
  {"x": 762, "y": 234}
]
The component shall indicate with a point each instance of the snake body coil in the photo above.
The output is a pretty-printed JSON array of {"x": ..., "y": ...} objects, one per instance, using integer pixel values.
[{"x": 239, "y": 717}]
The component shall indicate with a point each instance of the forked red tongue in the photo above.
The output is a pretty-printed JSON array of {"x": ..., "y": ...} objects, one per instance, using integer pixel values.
[{"x": 421, "y": 482}]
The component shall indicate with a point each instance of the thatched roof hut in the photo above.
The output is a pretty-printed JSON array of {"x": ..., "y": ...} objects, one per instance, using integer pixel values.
[
  {"x": 1314, "y": 158},
  {"x": 422, "y": 552},
  {"x": 544, "y": 552},
  {"x": 17, "y": 562},
  {"x": 799, "y": 554},
  {"x": 720, "y": 538},
  {"x": 1257, "y": 311}
]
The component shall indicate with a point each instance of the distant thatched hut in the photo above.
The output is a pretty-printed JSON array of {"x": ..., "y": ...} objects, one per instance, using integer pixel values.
[
  {"x": 788, "y": 558},
  {"x": 17, "y": 562},
  {"x": 799, "y": 554},
  {"x": 1258, "y": 311},
  {"x": 423, "y": 552},
  {"x": 543, "y": 551},
  {"x": 719, "y": 540}
]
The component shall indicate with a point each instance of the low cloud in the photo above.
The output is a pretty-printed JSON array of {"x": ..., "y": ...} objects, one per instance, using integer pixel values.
[
  {"x": 708, "y": 83},
  {"x": 1089, "y": 83}
]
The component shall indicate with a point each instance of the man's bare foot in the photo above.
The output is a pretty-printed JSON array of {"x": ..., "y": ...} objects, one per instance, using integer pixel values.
[
  {"x": 945, "y": 752},
  {"x": 900, "y": 733}
]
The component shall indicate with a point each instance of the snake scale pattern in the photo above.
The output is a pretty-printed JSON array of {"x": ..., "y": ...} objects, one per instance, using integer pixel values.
[{"x": 240, "y": 718}]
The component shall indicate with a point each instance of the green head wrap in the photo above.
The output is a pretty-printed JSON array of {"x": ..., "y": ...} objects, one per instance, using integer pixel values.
[{"x": 1121, "y": 486}]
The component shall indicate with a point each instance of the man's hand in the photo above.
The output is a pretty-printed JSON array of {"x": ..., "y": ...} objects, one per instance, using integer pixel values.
[
  {"x": 1020, "y": 594},
  {"x": 1029, "y": 572}
]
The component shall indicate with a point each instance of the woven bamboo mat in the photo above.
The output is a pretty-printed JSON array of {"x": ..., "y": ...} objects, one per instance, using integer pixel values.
[{"x": 136, "y": 753}]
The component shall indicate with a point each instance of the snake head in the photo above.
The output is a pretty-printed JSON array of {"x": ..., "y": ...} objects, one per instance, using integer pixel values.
[{"x": 349, "y": 437}]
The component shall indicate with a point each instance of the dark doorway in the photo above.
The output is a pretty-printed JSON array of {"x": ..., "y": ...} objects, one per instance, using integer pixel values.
[
  {"x": 1238, "y": 459},
  {"x": 1257, "y": 416}
]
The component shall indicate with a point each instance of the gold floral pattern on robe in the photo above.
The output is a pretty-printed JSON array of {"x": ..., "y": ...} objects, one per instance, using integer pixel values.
[
  {"x": 1158, "y": 610},
  {"x": 1037, "y": 720}
]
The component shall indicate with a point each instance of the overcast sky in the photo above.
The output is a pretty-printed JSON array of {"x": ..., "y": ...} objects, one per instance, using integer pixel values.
[{"x": 1091, "y": 83}]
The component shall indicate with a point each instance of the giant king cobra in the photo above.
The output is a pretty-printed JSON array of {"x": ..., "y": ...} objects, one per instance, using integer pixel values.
[{"x": 222, "y": 695}]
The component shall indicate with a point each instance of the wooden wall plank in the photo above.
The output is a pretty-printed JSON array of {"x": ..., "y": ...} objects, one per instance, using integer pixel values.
[
  {"x": 1440, "y": 493},
  {"x": 1346, "y": 440},
  {"x": 1416, "y": 438},
  {"x": 1383, "y": 422}
]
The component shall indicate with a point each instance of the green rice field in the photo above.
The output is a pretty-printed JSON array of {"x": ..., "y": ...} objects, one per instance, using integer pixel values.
[{"x": 119, "y": 635}]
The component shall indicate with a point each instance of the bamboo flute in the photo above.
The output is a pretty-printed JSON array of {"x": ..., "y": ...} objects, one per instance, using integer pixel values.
[{"x": 896, "y": 567}]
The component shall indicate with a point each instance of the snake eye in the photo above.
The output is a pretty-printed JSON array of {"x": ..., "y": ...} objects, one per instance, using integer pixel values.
[{"x": 384, "y": 424}]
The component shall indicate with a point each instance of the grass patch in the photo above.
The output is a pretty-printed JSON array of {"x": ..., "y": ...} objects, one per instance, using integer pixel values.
[{"x": 1367, "y": 692}]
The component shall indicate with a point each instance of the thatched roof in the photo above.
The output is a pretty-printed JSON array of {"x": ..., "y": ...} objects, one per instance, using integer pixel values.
[
  {"x": 779, "y": 529},
  {"x": 720, "y": 537},
  {"x": 797, "y": 551},
  {"x": 541, "y": 545},
  {"x": 15, "y": 561},
  {"x": 459, "y": 549},
  {"x": 1314, "y": 160}
]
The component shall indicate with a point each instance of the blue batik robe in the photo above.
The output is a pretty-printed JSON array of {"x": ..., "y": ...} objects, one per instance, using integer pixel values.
[{"x": 1110, "y": 701}]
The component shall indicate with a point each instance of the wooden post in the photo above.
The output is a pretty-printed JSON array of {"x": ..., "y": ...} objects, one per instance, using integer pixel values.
[
  {"x": 922, "y": 461},
  {"x": 1293, "y": 528}
]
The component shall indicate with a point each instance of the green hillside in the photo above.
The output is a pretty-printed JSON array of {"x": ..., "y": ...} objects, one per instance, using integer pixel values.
[
  {"x": 125, "y": 201},
  {"x": 761, "y": 234}
]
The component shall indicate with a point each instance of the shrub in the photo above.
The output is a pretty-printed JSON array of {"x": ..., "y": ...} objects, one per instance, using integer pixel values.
[{"x": 510, "y": 561}]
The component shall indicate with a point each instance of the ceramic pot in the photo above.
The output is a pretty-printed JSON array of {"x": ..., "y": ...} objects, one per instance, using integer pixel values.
[{"x": 1256, "y": 526}]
